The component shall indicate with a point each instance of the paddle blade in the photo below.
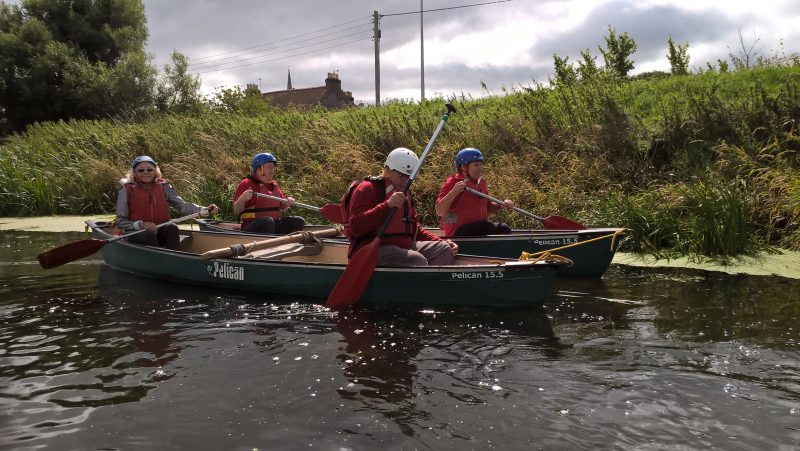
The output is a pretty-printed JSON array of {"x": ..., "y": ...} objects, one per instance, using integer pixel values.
[
  {"x": 332, "y": 213},
  {"x": 356, "y": 276},
  {"x": 69, "y": 253},
  {"x": 561, "y": 223}
]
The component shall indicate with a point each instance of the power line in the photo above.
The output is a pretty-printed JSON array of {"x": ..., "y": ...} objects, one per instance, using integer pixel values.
[
  {"x": 285, "y": 57},
  {"x": 280, "y": 40},
  {"x": 234, "y": 57},
  {"x": 204, "y": 64},
  {"x": 217, "y": 63},
  {"x": 444, "y": 9}
]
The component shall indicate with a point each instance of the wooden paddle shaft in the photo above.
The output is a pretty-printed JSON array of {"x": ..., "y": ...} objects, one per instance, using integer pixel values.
[
  {"x": 230, "y": 251},
  {"x": 171, "y": 221},
  {"x": 281, "y": 199},
  {"x": 498, "y": 201}
]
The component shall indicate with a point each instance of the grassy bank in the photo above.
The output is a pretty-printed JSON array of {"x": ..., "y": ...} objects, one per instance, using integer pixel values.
[{"x": 704, "y": 164}]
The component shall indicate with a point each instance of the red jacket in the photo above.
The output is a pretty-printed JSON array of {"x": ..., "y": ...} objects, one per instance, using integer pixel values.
[
  {"x": 147, "y": 205},
  {"x": 367, "y": 210},
  {"x": 258, "y": 207},
  {"x": 466, "y": 207}
]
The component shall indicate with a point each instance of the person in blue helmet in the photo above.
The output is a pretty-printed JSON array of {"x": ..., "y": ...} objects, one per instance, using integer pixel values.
[
  {"x": 464, "y": 213},
  {"x": 259, "y": 214},
  {"x": 144, "y": 201}
]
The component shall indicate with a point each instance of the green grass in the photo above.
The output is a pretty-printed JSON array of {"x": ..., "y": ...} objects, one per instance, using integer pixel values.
[{"x": 704, "y": 164}]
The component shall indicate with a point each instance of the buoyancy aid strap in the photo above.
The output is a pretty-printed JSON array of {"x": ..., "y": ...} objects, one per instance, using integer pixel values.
[{"x": 250, "y": 213}]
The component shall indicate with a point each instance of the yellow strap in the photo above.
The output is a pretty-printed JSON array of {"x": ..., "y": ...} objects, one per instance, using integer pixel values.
[
  {"x": 613, "y": 236},
  {"x": 545, "y": 256}
]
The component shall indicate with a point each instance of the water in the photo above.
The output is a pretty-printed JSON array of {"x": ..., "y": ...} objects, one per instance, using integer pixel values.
[{"x": 644, "y": 359}]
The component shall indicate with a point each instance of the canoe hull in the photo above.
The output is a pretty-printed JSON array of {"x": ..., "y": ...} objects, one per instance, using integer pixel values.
[
  {"x": 591, "y": 250},
  {"x": 495, "y": 284}
]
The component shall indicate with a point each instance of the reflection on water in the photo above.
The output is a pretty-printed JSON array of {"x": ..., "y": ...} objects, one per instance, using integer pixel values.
[
  {"x": 91, "y": 357},
  {"x": 385, "y": 351}
]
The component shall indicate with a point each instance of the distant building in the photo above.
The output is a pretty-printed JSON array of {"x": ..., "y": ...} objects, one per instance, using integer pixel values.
[{"x": 329, "y": 96}]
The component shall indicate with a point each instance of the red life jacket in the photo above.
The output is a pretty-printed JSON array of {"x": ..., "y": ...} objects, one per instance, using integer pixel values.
[
  {"x": 344, "y": 203},
  {"x": 466, "y": 207},
  {"x": 147, "y": 205},
  {"x": 259, "y": 207},
  {"x": 400, "y": 230}
]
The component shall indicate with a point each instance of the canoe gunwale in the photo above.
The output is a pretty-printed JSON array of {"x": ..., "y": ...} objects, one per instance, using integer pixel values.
[
  {"x": 214, "y": 225},
  {"x": 492, "y": 263}
]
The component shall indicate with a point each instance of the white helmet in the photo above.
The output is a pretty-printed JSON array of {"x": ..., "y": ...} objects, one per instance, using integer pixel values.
[{"x": 402, "y": 160}]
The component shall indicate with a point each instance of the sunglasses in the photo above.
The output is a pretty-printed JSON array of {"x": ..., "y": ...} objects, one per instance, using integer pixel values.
[{"x": 145, "y": 170}]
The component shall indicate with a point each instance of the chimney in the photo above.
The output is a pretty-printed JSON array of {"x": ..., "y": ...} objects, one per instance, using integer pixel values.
[{"x": 332, "y": 83}]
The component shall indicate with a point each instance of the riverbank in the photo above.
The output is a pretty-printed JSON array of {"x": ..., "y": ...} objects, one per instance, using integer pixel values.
[
  {"x": 784, "y": 264},
  {"x": 56, "y": 224}
]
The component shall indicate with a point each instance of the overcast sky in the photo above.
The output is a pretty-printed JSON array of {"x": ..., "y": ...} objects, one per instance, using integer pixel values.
[{"x": 504, "y": 44}]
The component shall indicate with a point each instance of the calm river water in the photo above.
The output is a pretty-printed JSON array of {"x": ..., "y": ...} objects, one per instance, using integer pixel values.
[{"x": 92, "y": 358}]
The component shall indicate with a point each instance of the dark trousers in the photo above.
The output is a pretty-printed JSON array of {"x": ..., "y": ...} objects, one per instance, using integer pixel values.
[
  {"x": 280, "y": 226},
  {"x": 422, "y": 253},
  {"x": 166, "y": 236},
  {"x": 483, "y": 228}
]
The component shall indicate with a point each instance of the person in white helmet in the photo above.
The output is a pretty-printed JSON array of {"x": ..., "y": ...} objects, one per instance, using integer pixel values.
[{"x": 404, "y": 243}]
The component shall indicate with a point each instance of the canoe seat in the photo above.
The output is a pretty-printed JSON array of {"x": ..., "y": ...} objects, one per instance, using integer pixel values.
[{"x": 286, "y": 250}]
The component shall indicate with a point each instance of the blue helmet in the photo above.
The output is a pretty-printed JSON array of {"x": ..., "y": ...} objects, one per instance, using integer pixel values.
[
  {"x": 261, "y": 159},
  {"x": 142, "y": 159},
  {"x": 468, "y": 155}
]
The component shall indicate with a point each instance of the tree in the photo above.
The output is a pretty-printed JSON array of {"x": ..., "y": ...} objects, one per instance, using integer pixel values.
[
  {"x": 178, "y": 91},
  {"x": 565, "y": 73},
  {"x": 723, "y": 66},
  {"x": 240, "y": 101},
  {"x": 62, "y": 59},
  {"x": 747, "y": 54},
  {"x": 678, "y": 57},
  {"x": 587, "y": 68},
  {"x": 617, "y": 52}
]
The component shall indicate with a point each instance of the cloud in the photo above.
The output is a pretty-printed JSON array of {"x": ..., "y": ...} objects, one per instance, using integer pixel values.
[{"x": 504, "y": 44}]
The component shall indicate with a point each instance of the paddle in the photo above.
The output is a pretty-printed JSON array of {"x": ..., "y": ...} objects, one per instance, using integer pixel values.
[
  {"x": 281, "y": 199},
  {"x": 83, "y": 248},
  {"x": 331, "y": 212},
  {"x": 240, "y": 249},
  {"x": 550, "y": 222},
  {"x": 356, "y": 276}
]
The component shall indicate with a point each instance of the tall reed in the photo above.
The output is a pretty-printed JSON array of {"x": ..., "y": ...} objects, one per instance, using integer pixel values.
[{"x": 654, "y": 155}]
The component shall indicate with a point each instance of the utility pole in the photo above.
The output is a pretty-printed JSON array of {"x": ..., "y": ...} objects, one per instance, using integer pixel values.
[
  {"x": 421, "y": 55},
  {"x": 376, "y": 36}
]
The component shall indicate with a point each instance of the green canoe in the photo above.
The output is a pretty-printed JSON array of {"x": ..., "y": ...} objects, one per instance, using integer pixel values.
[
  {"x": 310, "y": 270},
  {"x": 591, "y": 250}
]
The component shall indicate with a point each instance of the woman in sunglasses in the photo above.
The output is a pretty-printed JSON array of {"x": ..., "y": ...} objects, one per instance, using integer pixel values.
[{"x": 144, "y": 202}]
